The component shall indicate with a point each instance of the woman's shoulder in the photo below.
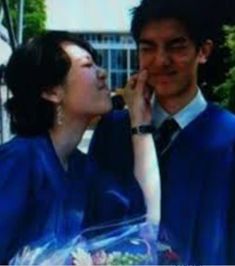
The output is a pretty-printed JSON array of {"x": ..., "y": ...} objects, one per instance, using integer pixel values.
[
  {"x": 15, "y": 164},
  {"x": 18, "y": 147},
  {"x": 18, "y": 153},
  {"x": 25, "y": 160}
]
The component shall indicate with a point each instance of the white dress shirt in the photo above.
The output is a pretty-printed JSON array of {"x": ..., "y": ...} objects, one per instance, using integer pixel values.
[{"x": 186, "y": 115}]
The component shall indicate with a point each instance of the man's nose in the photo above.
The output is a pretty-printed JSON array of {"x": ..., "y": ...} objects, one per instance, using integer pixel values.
[{"x": 161, "y": 58}]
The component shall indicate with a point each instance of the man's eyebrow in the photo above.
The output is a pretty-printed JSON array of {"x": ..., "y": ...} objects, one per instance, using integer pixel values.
[
  {"x": 146, "y": 41},
  {"x": 180, "y": 39},
  {"x": 177, "y": 40}
]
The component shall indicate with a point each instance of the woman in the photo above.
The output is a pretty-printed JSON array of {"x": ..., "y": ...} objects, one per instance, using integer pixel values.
[{"x": 47, "y": 186}]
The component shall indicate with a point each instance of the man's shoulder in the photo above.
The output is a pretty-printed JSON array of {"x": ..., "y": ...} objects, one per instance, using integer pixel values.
[
  {"x": 114, "y": 124},
  {"x": 111, "y": 142},
  {"x": 115, "y": 117},
  {"x": 216, "y": 125},
  {"x": 220, "y": 115}
]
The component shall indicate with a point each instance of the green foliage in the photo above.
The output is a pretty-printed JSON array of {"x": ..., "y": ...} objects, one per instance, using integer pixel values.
[
  {"x": 226, "y": 90},
  {"x": 34, "y": 16}
]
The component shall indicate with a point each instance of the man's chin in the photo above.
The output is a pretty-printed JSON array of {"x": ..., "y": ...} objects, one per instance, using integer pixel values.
[{"x": 164, "y": 91}]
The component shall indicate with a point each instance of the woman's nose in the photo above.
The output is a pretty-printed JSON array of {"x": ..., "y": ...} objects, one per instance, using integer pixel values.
[{"x": 101, "y": 72}]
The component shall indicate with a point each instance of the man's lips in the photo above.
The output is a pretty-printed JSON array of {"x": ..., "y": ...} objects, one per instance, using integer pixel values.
[{"x": 162, "y": 74}]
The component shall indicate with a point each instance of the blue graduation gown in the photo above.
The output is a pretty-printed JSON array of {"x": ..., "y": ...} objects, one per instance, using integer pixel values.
[
  {"x": 197, "y": 186},
  {"x": 38, "y": 199}
]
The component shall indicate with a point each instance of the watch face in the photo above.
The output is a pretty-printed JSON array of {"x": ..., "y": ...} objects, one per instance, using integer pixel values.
[{"x": 144, "y": 129}]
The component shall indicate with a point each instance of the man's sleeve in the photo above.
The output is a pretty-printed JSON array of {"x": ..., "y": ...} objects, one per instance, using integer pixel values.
[
  {"x": 231, "y": 217},
  {"x": 112, "y": 151}
]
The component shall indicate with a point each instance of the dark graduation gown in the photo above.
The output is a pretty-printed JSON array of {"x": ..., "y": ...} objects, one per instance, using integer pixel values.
[
  {"x": 38, "y": 199},
  {"x": 197, "y": 180}
]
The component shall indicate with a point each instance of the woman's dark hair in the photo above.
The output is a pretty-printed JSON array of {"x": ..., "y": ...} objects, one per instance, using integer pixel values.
[{"x": 34, "y": 67}]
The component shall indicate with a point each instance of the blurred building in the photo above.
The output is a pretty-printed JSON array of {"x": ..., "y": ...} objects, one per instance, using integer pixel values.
[
  {"x": 106, "y": 25},
  {"x": 5, "y": 52}
]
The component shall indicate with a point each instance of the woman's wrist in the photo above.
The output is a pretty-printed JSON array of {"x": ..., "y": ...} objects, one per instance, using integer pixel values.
[{"x": 142, "y": 129}]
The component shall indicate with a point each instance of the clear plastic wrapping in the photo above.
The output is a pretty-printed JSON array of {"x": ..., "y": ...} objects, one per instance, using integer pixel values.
[{"x": 130, "y": 243}]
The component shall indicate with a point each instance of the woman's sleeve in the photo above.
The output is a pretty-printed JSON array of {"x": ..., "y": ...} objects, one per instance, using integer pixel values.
[
  {"x": 14, "y": 178},
  {"x": 110, "y": 200}
]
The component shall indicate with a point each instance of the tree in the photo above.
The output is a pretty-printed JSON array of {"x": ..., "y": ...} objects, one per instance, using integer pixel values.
[
  {"x": 226, "y": 90},
  {"x": 34, "y": 16}
]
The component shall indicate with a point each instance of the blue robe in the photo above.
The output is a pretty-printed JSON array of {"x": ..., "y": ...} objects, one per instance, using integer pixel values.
[
  {"x": 197, "y": 207},
  {"x": 38, "y": 199}
]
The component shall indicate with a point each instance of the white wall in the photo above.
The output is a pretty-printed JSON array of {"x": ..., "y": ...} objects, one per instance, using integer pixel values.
[
  {"x": 90, "y": 15},
  {"x": 6, "y": 135}
]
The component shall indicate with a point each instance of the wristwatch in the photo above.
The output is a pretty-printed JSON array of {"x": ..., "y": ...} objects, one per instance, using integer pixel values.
[{"x": 142, "y": 129}]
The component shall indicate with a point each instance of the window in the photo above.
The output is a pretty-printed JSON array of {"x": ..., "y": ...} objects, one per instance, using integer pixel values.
[
  {"x": 103, "y": 58},
  {"x": 133, "y": 60},
  {"x": 117, "y": 55},
  {"x": 118, "y": 79},
  {"x": 119, "y": 59}
]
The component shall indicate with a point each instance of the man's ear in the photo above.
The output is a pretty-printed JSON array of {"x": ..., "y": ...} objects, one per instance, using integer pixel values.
[
  {"x": 54, "y": 94},
  {"x": 205, "y": 51}
]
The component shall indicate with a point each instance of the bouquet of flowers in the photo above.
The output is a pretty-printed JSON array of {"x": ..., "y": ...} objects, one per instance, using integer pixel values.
[{"x": 131, "y": 243}]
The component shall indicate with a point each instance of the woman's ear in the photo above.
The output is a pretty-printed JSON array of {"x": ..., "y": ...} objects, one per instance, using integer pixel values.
[
  {"x": 205, "y": 51},
  {"x": 54, "y": 94}
]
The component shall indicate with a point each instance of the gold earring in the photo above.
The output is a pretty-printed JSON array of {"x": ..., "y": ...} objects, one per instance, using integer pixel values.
[{"x": 59, "y": 115}]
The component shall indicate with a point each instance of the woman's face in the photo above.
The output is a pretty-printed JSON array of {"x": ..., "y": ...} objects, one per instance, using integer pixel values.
[{"x": 85, "y": 90}]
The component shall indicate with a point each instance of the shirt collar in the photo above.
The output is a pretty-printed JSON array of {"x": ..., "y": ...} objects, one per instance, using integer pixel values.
[{"x": 197, "y": 105}]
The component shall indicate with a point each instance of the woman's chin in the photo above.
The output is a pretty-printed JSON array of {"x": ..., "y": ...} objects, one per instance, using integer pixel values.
[
  {"x": 107, "y": 107},
  {"x": 106, "y": 110}
]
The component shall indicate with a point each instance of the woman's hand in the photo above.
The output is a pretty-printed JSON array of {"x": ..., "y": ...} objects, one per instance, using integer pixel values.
[
  {"x": 146, "y": 169},
  {"x": 137, "y": 95}
]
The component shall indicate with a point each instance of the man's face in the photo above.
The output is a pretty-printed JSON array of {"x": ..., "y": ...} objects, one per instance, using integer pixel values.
[{"x": 170, "y": 57}]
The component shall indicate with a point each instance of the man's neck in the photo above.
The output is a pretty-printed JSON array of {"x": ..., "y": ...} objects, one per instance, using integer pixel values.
[
  {"x": 184, "y": 116},
  {"x": 173, "y": 105}
]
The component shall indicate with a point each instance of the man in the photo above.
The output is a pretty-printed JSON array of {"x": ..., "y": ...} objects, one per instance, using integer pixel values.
[{"x": 194, "y": 139}]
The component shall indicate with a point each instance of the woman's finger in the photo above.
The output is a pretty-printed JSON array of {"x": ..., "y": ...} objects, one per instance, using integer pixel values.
[{"x": 141, "y": 81}]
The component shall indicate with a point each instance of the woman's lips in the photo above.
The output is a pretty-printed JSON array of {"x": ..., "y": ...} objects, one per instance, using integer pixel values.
[{"x": 103, "y": 87}]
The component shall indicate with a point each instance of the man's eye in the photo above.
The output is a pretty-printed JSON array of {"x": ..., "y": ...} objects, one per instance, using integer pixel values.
[
  {"x": 177, "y": 47},
  {"x": 145, "y": 48}
]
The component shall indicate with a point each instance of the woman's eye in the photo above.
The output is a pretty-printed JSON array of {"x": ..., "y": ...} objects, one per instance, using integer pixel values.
[{"x": 88, "y": 64}]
